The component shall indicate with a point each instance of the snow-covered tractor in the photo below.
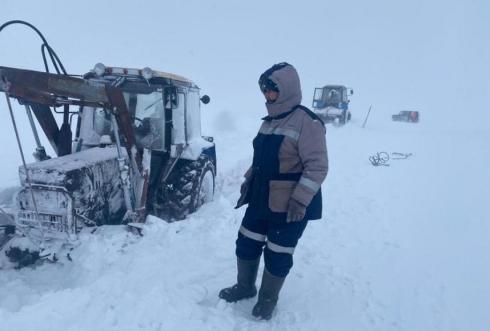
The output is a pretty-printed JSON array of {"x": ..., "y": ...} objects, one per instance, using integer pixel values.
[
  {"x": 128, "y": 144},
  {"x": 331, "y": 103}
]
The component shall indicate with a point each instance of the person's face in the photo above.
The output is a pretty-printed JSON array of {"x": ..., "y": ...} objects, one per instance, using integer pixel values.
[{"x": 271, "y": 96}]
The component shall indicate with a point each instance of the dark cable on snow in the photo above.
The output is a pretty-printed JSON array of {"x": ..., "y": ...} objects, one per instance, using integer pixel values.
[
  {"x": 400, "y": 156},
  {"x": 380, "y": 159}
]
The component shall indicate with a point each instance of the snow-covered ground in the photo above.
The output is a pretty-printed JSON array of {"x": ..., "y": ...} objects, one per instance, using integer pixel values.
[{"x": 401, "y": 247}]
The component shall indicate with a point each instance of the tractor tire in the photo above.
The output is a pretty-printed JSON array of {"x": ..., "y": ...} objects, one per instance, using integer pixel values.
[
  {"x": 188, "y": 187},
  {"x": 343, "y": 118}
]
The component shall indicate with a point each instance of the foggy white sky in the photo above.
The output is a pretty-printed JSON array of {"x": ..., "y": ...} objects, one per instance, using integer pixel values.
[{"x": 432, "y": 56}]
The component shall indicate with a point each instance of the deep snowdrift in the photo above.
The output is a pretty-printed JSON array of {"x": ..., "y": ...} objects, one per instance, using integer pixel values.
[{"x": 401, "y": 247}]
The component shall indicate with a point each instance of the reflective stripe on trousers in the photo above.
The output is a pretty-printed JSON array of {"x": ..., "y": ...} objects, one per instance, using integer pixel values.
[
  {"x": 252, "y": 235},
  {"x": 262, "y": 238}
]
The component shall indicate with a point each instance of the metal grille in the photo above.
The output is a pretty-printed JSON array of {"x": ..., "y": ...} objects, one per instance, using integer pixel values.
[
  {"x": 50, "y": 222},
  {"x": 55, "y": 213}
]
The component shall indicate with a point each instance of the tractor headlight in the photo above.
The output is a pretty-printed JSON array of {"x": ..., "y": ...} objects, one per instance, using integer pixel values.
[
  {"x": 147, "y": 73},
  {"x": 99, "y": 69}
]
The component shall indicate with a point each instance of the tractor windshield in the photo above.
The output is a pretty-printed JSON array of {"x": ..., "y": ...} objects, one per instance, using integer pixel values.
[
  {"x": 328, "y": 96},
  {"x": 148, "y": 121},
  {"x": 333, "y": 95},
  {"x": 148, "y": 116},
  {"x": 318, "y": 98}
]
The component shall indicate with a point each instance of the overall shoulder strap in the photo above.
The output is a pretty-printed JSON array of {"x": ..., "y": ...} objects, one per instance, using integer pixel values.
[
  {"x": 303, "y": 108},
  {"x": 270, "y": 118},
  {"x": 310, "y": 113}
]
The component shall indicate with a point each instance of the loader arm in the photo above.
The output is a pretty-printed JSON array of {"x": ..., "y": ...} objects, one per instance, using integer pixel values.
[
  {"x": 50, "y": 89},
  {"x": 42, "y": 90}
]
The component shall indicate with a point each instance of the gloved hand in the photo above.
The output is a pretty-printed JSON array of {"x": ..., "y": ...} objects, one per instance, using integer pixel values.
[
  {"x": 296, "y": 211},
  {"x": 243, "y": 194},
  {"x": 244, "y": 187}
]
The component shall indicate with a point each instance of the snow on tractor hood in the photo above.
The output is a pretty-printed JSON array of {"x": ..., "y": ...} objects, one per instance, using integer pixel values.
[
  {"x": 61, "y": 171},
  {"x": 195, "y": 148}
]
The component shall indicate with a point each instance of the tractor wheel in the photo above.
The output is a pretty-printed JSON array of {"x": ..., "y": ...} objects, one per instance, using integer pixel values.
[
  {"x": 190, "y": 185},
  {"x": 204, "y": 192},
  {"x": 343, "y": 118}
]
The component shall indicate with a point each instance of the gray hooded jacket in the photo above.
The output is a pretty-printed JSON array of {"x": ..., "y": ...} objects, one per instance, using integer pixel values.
[{"x": 303, "y": 149}]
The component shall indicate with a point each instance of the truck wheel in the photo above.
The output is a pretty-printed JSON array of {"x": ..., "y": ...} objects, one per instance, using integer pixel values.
[{"x": 190, "y": 184}]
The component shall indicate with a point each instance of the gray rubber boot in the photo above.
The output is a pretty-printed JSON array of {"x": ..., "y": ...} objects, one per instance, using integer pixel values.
[
  {"x": 268, "y": 295},
  {"x": 245, "y": 286}
]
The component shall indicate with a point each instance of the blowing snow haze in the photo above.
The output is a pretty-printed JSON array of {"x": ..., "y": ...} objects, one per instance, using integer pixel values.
[
  {"x": 430, "y": 56},
  {"x": 403, "y": 247}
]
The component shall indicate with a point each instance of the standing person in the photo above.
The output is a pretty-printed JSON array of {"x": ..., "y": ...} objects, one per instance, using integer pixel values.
[{"x": 282, "y": 189}]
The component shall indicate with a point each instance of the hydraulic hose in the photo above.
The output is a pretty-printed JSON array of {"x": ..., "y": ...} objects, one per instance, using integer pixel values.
[{"x": 55, "y": 60}]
